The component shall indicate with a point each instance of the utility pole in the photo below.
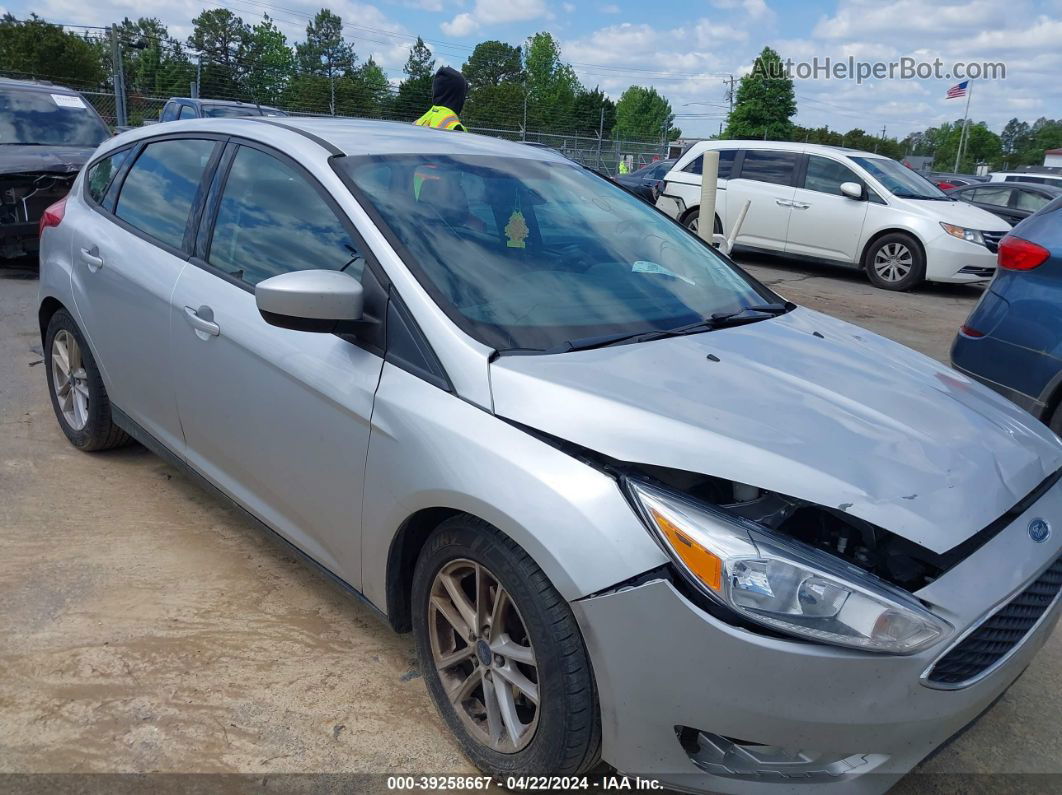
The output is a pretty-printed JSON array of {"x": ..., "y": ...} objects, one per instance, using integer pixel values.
[
  {"x": 729, "y": 83},
  {"x": 121, "y": 119},
  {"x": 198, "y": 75},
  {"x": 523, "y": 130}
]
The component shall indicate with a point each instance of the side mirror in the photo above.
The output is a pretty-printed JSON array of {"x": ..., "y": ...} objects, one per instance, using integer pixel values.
[
  {"x": 853, "y": 190},
  {"x": 312, "y": 300}
]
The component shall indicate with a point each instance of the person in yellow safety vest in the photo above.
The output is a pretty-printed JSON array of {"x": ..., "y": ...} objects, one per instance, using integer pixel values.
[
  {"x": 448, "y": 92},
  {"x": 623, "y": 167}
]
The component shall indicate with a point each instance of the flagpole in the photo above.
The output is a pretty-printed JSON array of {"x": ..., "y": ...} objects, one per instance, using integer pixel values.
[{"x": 962, "y": 135}]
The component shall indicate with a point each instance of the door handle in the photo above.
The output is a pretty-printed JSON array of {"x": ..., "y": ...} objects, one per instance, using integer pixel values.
[
  {"x": 783, "y": 202},
  {"x": 92, "y": 258},
  {"x": 800, "y": 205},
  {"x": 196, "y": 318}
]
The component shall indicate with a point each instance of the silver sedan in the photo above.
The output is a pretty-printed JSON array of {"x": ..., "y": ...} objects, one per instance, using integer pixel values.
[{"x": 632, "y": 504}]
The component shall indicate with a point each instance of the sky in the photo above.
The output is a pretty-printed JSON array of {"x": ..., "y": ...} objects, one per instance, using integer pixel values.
[{"x": 688, "y": 49}]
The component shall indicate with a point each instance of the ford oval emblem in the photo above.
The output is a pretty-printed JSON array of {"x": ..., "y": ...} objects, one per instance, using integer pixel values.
[{"x": 1039, "y": 530}]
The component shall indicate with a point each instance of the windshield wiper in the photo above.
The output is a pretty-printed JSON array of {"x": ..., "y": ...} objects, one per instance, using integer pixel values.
[{"x": 718, "y": 320}]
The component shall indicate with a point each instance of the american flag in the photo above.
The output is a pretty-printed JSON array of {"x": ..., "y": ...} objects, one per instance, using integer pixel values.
[{"x": 957, "y": 90}]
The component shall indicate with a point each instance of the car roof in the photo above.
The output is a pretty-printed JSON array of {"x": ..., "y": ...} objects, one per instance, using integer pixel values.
[
  {"x": 1045, "y": 187},
  {"x": 42, "y": 86},
  {"x": 783, "y": 146},
  {"x": 355, "y": 136}
]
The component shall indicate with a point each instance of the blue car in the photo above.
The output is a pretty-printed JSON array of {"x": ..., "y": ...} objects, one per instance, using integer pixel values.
[{"x": 1012, "y": 341}]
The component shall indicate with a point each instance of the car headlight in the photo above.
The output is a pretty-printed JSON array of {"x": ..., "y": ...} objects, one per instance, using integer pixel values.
[
  {"x": 780, "y": 583},
  {"x": 961, "y": 232}
]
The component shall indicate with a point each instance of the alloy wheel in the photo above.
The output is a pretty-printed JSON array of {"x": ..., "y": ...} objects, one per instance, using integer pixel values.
[
  {"x": 483, "y": 654},
  {"x": 69, "y": 380},
  {"x": 893, "y": 261}
]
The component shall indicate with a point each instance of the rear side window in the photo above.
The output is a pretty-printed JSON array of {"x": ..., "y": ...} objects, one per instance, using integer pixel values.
[
  {"x": 1027, "y": 200},
  {"x": 763, "y": 165},
  {"x": 271, "y": 220},
  {"x": 826, "y": 176},
  {"x": 726, "y": 163},
  {"x": 101, "y": 174},
  {"x": 169, "y": 112},
  {"x": 187, "y": 112},
  {"x": 161, "y": 186}
]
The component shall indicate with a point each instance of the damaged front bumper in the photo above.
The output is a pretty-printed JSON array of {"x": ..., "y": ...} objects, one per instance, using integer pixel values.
[
  {"x": 704, "y": 705},
  {"x": 23, "y": 199}
]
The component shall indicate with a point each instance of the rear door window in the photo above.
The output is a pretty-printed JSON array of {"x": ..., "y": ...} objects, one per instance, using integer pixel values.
[
  {"x": 272, "y": 220},
  {"x": 1028, "y": 200},
  {"x": 763, "y": 165},
  {"x": 160, "y": 189},
  {"x": 187, "y": 112}
]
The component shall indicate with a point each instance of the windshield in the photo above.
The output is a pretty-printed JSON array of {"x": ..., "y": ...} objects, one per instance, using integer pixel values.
[
  {"x": 526, "y": 254},
  {"x": 899, "y": 180},
  {"x": 45, "y": 119}
]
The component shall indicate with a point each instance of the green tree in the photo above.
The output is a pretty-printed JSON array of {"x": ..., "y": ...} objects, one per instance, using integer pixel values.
[
  {"x": 222, "y": 39},
  {"x": 414, "y": 93},
  {"x": 495, "y": 106},
  {"x": 764, "y": 103},
  {"x": 592, "y": 112},
  {"x": 551, "y": 85},
  {"x": 270, "y": 62},
  {"x": 493, "y": 63},
  {"x": 324, "y": 54},
  {"x": 643, "y": 115},
  {"x": 1015, "y": 136},
  {"x": 35, "y": 48}
]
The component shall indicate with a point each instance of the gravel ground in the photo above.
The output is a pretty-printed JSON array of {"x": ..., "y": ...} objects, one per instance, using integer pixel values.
[{"x": 146, "y": 627}]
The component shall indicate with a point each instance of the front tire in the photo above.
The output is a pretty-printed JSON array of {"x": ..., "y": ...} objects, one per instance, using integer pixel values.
[
  {"x": 502, "y": 655},
  {"x": 895, "y": 262},
  {"x": 76, "y": 388}
]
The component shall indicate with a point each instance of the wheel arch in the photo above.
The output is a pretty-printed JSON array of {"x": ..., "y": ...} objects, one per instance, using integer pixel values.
[
  {"x": 890, "y": 231},
  {"x": 49, "y": 306},
  {"x": 402, "y": 555}
]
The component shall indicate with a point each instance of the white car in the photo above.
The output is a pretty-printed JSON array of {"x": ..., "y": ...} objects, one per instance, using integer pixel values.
[
  {"x": 1026, "y": 176},
  {"x": 841, "y": 205}
]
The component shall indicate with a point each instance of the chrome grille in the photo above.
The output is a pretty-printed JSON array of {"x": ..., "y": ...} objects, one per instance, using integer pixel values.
[{"x": 992, "y": 240}]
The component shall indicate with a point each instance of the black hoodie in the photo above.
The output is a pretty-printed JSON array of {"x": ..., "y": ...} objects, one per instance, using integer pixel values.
[{"x": 449, "y": 89}]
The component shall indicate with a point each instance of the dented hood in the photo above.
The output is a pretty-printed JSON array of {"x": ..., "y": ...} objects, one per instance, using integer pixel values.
[
  {"x": 847, "y": 419},
  {"x": 21, "y": 159}
]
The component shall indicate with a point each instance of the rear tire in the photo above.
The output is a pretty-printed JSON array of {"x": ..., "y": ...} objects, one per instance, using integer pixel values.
[
  {"x": 895, "y": 262},
  {"x": 74, "y": 384},
  {"x": 561, "y": 733}
]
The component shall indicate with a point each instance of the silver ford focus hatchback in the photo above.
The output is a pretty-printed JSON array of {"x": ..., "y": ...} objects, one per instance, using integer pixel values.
[{"x": 632, "y": 504}]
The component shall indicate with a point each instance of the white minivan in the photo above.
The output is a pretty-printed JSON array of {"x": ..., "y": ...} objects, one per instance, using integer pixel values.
[{"x": 840, "y": 205}]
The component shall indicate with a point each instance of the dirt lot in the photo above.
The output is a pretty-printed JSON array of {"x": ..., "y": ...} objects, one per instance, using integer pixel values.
[{"x": 145, "y": 627}]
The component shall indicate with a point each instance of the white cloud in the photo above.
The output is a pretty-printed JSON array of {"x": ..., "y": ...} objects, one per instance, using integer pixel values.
[
  {"x": 756, "y": 9},
  {"x": 569, "y": 8},
  {"x": 461, "y": 25},
  {"x": 610, "y": 8},
  {"x": 493, "y": 12}
]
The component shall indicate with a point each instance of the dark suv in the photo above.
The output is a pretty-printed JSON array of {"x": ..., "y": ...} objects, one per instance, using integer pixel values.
[
  {"x": 187, "y": 108},
  {"x": 47, "y": 133}
]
